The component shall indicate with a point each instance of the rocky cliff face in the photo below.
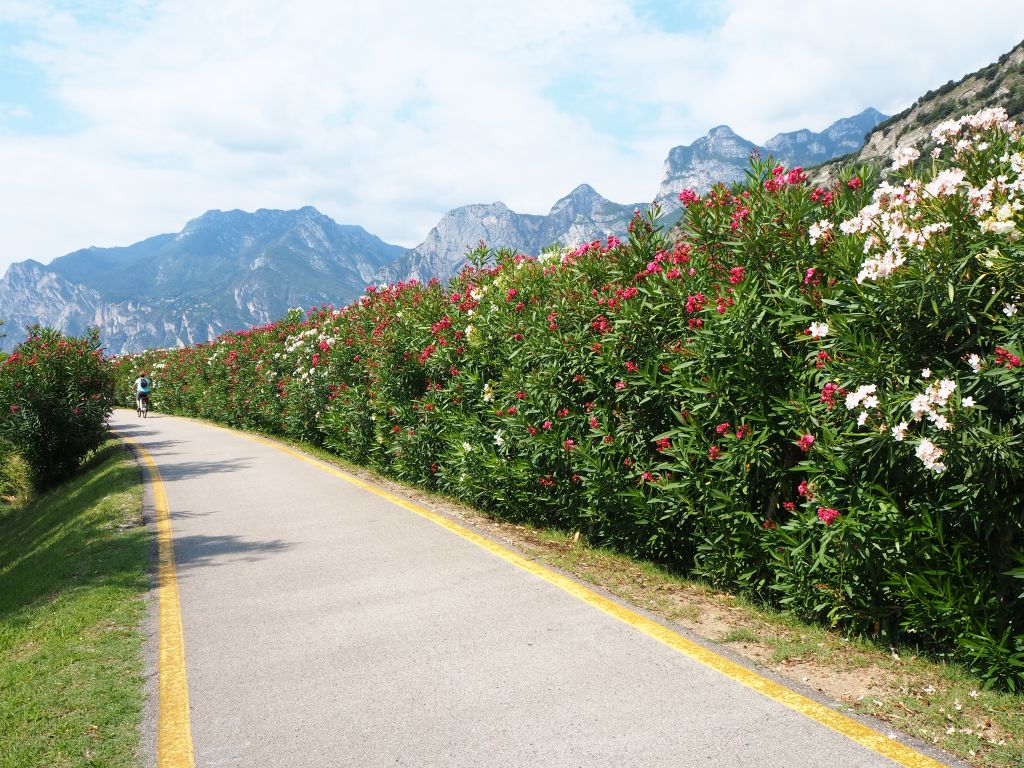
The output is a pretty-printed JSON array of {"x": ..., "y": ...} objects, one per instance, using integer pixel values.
[
  {"x": 581, "y": 216},
  {"x": 1000, "y": 84},
  {"x": 721, "y": 157},
  {"x": 224, "y": 270}
]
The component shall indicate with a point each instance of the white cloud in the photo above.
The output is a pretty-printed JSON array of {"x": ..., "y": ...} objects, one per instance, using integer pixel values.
[{"x": 389, "y": 116}]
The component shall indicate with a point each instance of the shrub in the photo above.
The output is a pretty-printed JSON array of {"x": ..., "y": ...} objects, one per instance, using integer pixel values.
[{"x": 55, "y": 396}]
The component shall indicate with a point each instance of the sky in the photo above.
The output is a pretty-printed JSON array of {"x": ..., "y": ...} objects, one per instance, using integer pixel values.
[{"x": 123, "y": 120}]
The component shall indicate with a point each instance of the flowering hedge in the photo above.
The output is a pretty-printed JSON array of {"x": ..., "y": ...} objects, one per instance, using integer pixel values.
[
  {"x": 55, "y": 396},
  {"x": 811, "y": 395}
]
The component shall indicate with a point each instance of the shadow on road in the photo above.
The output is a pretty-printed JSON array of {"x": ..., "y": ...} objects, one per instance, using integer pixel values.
[
  {"x": 187, "y": 469},
  {"x": 156, "y": 446},
  {"x": 201, "y": 551},
  {"x": 133, "y": 432}
]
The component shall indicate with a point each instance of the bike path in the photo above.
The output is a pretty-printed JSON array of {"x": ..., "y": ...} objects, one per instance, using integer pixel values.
[{"x": 325, "y": 625}]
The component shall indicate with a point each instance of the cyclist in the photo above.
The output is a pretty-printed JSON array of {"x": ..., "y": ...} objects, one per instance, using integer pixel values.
[{"x": 142, "y": 386}]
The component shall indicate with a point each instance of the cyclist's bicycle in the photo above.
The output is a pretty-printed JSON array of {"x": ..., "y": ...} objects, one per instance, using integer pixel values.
[{"x": 142, "y": 404}]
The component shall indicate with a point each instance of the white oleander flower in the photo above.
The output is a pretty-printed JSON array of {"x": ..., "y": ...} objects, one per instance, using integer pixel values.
[
  {"x": 929, "y": 454},
  {"x": 903, "y": 156}
]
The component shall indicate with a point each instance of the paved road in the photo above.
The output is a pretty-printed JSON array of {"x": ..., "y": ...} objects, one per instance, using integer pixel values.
[{"x": 327, "y": 626}]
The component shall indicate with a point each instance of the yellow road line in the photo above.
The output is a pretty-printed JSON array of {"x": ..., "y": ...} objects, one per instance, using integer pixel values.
[
  {"x": 852, "y": 729},
  {"x": 174, "y": 725}
]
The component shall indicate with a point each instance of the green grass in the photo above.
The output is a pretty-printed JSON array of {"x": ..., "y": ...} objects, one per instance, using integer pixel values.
[
  {"x": 72, "y": 586},
  {"x": 15, "y": 489}
]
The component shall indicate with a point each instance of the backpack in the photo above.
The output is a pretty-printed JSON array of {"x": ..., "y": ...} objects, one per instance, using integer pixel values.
[{"x": 144, "y": 383}]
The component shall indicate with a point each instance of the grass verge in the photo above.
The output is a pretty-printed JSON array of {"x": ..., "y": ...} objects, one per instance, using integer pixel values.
[{"x": 72, "y": 597}]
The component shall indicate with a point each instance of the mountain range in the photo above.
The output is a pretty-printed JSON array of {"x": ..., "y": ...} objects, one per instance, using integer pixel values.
[
  {"x": 232, "y": 269},
  {"x": 224, "y": 270}
]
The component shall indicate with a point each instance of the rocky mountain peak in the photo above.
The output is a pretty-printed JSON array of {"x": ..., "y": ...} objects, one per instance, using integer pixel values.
[{"x": 582, "y": 200}]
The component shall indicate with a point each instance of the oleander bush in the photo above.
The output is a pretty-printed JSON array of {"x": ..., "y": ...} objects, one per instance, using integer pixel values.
[
  {"x": 55, "y": 396},
  {"x": 810, "y": 395}
]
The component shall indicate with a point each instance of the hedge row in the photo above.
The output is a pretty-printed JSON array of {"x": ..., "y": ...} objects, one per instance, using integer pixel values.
[{"x": 812, "y": 396}]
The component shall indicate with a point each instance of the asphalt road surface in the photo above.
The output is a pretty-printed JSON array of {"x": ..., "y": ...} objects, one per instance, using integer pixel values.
[{"x": 325, "y": 625}]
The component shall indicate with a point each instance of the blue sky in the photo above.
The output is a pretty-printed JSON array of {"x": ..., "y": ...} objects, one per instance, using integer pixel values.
[{"x": 123, "y": 120}]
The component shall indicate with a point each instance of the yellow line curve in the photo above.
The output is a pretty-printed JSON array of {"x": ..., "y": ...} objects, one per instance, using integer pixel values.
[
  {"x": 174, "y": 725},
  {"x": 858, "y": 732}
]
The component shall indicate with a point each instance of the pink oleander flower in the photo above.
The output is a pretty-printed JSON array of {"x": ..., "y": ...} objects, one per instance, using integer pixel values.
[
  {"x": 714, "y": 452},
  {"x": 688, "y": 197},
  {"x": 805, "y": 442},
  {"x": 827, "y": 515}
]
